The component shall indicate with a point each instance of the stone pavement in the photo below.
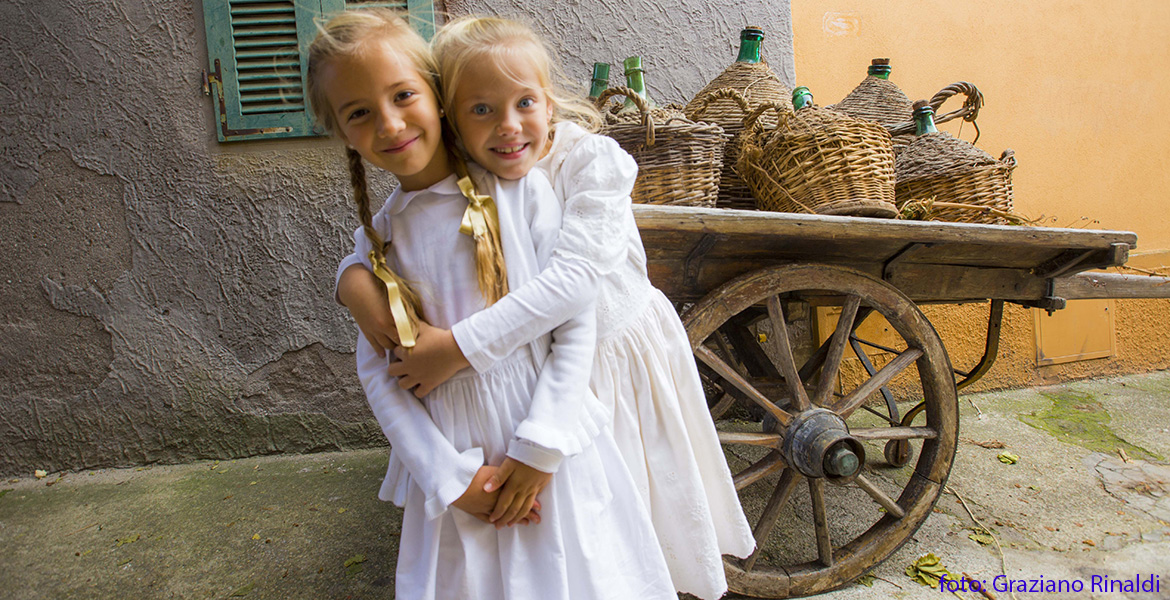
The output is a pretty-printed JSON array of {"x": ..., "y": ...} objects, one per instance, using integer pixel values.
[{"x": 1087, "y": 497}]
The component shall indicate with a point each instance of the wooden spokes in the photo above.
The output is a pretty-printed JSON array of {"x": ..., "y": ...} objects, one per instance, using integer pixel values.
[
  {"x": 733, "y": 377},
  {"x": 807, "y": 544}
]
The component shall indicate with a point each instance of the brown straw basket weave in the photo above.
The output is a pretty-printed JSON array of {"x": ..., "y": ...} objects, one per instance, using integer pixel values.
[
  {"x": 755, "y": 84},
  {"x": 678, "y": 160},
  {"x": 881, "y": 101},
  {"x": 954, "y": 181},
  {"x": 819, "y": 161},
  {"x": 733, "y": 190}
]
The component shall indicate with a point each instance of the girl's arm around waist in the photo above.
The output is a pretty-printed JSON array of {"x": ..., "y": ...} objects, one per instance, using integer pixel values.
[{"x": 596, "y": 179}]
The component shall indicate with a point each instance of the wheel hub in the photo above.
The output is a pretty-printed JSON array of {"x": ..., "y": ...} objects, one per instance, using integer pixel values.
[{"x": 817, "y": 443}]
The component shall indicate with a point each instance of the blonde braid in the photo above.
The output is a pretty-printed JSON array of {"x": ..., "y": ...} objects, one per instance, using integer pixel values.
[
  {"x": 490, "y": 270},
  {"x": 361, "y": 197}
]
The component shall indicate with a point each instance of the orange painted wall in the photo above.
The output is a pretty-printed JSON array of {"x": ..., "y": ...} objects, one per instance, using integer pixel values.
[{"x": 1081, "y": 92}]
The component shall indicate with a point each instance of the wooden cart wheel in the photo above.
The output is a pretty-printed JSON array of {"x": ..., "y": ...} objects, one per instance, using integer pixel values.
[{"x": 855, "y": 514}]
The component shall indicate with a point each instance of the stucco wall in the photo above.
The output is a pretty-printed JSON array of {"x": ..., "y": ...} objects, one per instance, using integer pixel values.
[{"x": 166, "y": 297}]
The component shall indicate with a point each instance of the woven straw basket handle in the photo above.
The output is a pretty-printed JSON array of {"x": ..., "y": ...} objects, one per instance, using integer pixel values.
[
  {"x": 969, "y": 111},
  {"x": 719, "y": 94},
  {"x": 1008, "y": 158},
  {"x": 643, "y": 107},
  {"x": 781, "y": 110}
]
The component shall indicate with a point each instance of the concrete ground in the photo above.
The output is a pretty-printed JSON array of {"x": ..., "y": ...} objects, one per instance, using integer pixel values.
[{"x": 310, "y": 527}]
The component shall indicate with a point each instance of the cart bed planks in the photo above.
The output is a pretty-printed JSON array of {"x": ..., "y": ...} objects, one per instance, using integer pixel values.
[{"x": 693, "y": 250}]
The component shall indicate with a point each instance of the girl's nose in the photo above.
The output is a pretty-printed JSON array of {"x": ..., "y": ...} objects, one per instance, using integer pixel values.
[
  {"x": 509, "y": 123},
  {"x": 390, "y": 123}
]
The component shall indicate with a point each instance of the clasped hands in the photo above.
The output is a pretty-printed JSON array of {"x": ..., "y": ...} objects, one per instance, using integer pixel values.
[{"x": 505, "y": 495}]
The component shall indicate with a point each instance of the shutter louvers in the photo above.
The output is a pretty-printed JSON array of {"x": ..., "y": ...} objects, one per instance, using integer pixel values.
[{"x": 264, "y": 35}]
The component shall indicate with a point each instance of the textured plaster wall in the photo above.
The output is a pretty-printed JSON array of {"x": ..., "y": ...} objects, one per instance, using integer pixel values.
[
  {"x": 166, "y": 297},
  {"x": 683, "y": 45}
]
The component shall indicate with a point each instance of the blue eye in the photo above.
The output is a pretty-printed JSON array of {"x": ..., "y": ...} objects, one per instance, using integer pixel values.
[
  {"x": 480, "y": 109},
  {"x": 527, "y": 103}
]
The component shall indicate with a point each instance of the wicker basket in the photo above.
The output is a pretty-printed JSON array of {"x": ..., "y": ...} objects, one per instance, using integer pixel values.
[
  {"x": 756, "y": 84},
  {"x": 819, "y": 161},
  {"x": 734, "y": 192},
  {"x": 949, "y": 179},
  {"x": 678, "y": 160}
]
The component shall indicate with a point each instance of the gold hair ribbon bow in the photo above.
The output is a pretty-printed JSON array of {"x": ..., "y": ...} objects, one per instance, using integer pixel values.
[
  {"x": 480, "y": 210},
  {"x": 397, "y": 305}
]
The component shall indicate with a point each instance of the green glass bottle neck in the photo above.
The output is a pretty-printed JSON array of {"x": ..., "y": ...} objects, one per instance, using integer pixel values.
[
  {"x": 924, "y": 122},
  {"x": 880, "y": 71},
  {"x": 635, "y": 80},
  {"x": 801, "y": 98},
  {"x": 600, "y": 80},
  {"x": 749, "y": 49}
]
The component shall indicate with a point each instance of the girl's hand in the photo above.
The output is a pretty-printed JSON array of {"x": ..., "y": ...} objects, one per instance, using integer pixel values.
[
  {"x": 434, "y": 359},
  {"x": 479, "y": 503},
  {"x": 517, "y": 484},
  {"x": 365, "y": 297}
]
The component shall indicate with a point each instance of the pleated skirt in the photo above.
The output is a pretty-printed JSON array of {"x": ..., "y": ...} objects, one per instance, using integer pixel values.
[
  {"x": 646, "y": 373},
  {"x": 594, "y": 541}
]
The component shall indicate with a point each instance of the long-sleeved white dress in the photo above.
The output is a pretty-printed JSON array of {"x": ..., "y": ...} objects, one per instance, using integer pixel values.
[
  {"x": 595, "y": 539},
  {"x": 643, "y": 369}
]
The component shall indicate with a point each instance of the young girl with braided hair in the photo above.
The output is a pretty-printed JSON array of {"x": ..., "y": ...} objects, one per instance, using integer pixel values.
[
  {"x": 371, "y": 83},
  {"x": 490, "y": 69}
]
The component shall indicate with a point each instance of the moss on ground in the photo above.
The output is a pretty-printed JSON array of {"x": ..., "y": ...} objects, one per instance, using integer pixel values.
[{"x": 1078, "y": 418}]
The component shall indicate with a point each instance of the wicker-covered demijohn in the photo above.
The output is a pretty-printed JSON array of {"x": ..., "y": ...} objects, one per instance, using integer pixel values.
[
  {"x": 819, "y": 161},
  {"x": 948, "y": 179},
  {"x": 756, "y": 84},
  {"x": 679, "y": 161},
  {"x": 879, "y": 100}
]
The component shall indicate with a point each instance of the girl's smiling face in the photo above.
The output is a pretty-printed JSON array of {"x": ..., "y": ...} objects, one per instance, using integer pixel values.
[
  {"x": 388, "y": 113},
  {"x": 503, "y": 117}
]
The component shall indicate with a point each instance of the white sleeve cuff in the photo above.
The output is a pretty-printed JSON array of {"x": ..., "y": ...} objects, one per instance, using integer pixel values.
[
  {"x": 537, "y": 457},
  {"x": 472, "y": 351},
  {"x": 469, "y": 463}
]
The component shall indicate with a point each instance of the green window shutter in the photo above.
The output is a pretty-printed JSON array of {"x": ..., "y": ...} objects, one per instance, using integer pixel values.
[{"x": 257, "y": 53}]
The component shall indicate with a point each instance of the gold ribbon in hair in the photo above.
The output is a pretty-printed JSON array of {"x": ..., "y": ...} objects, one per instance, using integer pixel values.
[
  {"x": 480, "y": 210},
  {"x": 397, "y": 305}
]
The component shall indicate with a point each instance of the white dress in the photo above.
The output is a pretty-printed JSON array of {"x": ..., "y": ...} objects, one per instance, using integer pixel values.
[
  {"x": 643, "y": 368},
  {"x": 595, "y": 539}
]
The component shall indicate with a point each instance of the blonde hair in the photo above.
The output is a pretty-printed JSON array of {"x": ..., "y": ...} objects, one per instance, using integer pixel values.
[
  {"x": 349, "y": 34},
  {"x": 464, "y": 43}
]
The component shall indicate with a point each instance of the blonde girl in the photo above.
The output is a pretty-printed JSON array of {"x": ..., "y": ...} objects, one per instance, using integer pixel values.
[
  {"x": 371, "y": 83},
  {"x": 491, "y": 69}
]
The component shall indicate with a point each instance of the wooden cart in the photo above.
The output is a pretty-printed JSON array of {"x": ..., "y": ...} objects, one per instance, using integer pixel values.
[{"x": 747, "y": 282}]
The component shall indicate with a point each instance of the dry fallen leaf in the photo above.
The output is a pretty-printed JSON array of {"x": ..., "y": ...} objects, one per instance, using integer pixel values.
[
  {"x": 127, "y": 540},
  {"x": 928, "y": 570},
  {"x": 40, "y": 474}
]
